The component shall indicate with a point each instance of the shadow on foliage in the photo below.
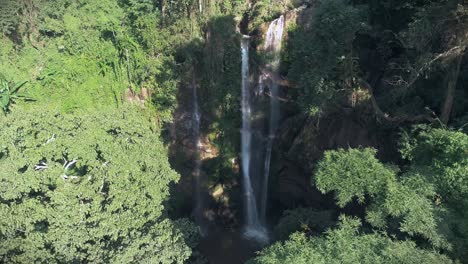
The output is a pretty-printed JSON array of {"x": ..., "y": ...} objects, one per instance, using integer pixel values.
[{"x": 212, "y": 65}]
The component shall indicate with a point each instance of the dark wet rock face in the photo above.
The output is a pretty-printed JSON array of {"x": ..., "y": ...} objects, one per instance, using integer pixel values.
[{"x": 301, "y": 143}]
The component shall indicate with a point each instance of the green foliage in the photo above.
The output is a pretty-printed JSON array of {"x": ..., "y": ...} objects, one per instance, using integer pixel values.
[
  {"x": 85, "y": 57},
  {"x": 192, "y": 238},
  {"x": 221, "y": 79},
  {"x": 346, "y": 244},
  {"x": 407, "y": 202},
  {"x": 411, "y": 201},
  {"x": 303, "y": 219},
  {"x": 9, "y": 95},
  {"x": 175, "y": 10},
  {"x": 431, "y": 36},
  {"x": 74, "y": 67},
  {"x": 393, "y": 14},
  {"x": 321, "y": 56},
  {"x": 85, "y": 189},
  {"x": 266, "y": 10},
  {"x": 352, "y": 173},
  {"x": 8, "y": 16},
  {"x": 437, "y": 26},
  {"x": 137, "y": 8},
  {"x": 442, "y": 155},
  {"x": 163, "y": 64}
]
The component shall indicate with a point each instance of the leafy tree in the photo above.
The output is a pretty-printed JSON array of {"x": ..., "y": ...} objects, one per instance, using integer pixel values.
[
  {"x": 353, "y": 173},
  {"x": 8, "y": 16},
  {"x": 442, "y": 156},
  {"x": 406, "y": 202},
  {"x": 266, "y": 10},
  {"x": 439, "y": 35},
  {"x": 393, "y": 15},
  {"x": 425, "y": 51},
  {"x": 321, "y": 56},
  {"x": 86, "y": 189},
  {"x": 346, "y": 244},
  {"x": 401, "y": 209},
  {"x": 139, "y": 8}
]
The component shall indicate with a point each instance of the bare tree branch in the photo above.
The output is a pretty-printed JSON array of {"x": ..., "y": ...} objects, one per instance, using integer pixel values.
[
  {"x": 452, "y": 53},
  {"x": 393, "y": 119}
]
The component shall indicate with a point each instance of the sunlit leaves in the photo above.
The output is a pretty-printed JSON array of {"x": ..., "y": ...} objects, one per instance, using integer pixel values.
[
  {"x": 442, "y": 156},
  {"x": 352, "y": 173},
  {"x": 346, "y": 244},
  {"x": 407, "y": 201},
  {"x": 321, "y": 53},
  {"x": 85, "y": 189}
]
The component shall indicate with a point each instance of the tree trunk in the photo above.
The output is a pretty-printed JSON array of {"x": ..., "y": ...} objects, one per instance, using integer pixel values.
[
  {"x": 452, "y": 78},
  {"x": 162, "y": 7}
]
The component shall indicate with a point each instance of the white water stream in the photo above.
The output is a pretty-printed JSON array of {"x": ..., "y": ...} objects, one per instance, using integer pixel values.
[
  {"x": 255, "y": 195},
  {"x": 272, "y": 47}
]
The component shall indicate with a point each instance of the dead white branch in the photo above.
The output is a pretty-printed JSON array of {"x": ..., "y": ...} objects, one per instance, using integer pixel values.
[
  {"x": 69, "y": 164},
  {"x": 41, "y": 166},
  {"x": 51, "y": 139}
]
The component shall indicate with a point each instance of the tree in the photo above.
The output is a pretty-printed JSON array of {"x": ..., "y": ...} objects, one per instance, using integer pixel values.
[
  {"x": 441, "y": 157},
  {"x": 303, "y": 219},
  {"x": 439, "y": 33},
  {"x": 86, "y": 189},
  {"x": 406, "y": 202},
  {"x": 352, "y": 173},
  {"x": 433, "y": 44},
  {"x": 401, "y": 208},
  {"x": 346, "y": 244},
  {"x": 8, "y": 16},
  {"x": 321, "y": 55}
]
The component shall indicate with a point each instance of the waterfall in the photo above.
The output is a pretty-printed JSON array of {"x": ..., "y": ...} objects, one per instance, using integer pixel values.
[
  {"x": 272, "y": 47},
  {"x": 253, "y": 228},
  {"x": 198, "y": 199},
  {"x": 255, "y": 173}
]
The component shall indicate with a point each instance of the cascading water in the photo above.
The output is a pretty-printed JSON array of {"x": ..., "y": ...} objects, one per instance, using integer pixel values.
[
  {"x": 255, "y": 176},
  {"x": 272, "y": 47},
  {"x": 253, "y": 228},
  {"x": 196, "y": 117}
]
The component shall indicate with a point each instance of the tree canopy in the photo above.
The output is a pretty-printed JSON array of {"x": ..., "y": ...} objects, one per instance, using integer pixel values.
[
  {"x": 413, "y": 213},
  {"x": 85, "y": 189},
  {"x": 346, "y": 244}
]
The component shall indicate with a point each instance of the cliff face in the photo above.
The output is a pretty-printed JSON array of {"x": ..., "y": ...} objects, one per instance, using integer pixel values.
[
  {"x": 300, "y": 139},
  {"x": 185, "y": 151}
]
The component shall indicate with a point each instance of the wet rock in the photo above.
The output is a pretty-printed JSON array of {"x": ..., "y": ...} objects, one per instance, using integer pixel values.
[{"x": 302, "y": 141}]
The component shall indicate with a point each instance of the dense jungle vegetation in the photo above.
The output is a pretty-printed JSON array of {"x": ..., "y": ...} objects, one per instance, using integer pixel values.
[{"x": 370, "y": 163}]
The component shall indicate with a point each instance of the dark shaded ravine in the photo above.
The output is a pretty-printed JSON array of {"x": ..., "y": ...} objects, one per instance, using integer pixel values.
[{"x": 227, "y": 247}]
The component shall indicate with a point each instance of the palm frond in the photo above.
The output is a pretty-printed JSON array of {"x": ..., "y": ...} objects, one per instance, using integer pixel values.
[{"x": 17, "y": 86}]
